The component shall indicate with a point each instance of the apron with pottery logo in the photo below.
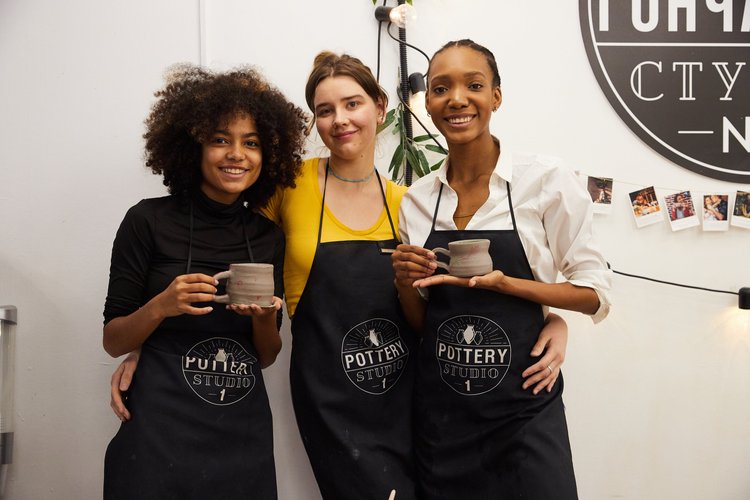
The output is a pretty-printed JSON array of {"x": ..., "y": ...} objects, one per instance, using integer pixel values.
[
  {"x": 478, "y": 434},
  {"x": 201, "y": 422},
  {"x": 352, "y": 372}
]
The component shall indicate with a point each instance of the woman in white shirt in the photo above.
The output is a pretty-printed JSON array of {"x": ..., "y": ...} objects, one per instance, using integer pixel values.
[{"x": 478, "y": 433}]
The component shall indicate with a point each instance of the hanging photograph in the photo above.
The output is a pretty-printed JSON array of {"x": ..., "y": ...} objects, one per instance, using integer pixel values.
[
  {"x": 681, "y": 211},
  {"x": 715, "y": 212},
  {"x": 646, "y": 208},
  {"x": 600, "y": 189},
  {"x": 741, "y": 213}
]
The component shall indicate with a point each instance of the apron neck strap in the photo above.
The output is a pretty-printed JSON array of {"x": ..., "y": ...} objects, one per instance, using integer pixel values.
[{"x": 510, "y": 206}]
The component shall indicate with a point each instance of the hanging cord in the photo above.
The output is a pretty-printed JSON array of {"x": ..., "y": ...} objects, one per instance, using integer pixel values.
[
  {"x": 388, "y": 29},
  {"x": 671, "y": 283},
  {"x": 380, "y": 31}
]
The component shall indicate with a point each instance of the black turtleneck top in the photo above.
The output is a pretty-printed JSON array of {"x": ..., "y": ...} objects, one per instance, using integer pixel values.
[{"x": 152, "y": 245}]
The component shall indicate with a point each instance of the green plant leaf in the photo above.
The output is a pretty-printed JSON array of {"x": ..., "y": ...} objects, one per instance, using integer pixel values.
[
  {"x": 437, "y": 165},
  {"x": 413, "y": 158},
  {"x": 424, "y": 165},
  {"x": 434, "y": 148},
  {"x": 396, "y": 161},
  {"x": 422, "y": 138}
]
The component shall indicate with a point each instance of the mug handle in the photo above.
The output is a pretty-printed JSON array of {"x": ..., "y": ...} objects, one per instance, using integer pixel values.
[
  {"x": 222, "y": 299},
  {"x": 441, "y": 250}
]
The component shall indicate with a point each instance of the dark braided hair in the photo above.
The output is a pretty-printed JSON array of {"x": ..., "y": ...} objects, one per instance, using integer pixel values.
[
  {"x": 196, "y": 102},
  {"x": 488, "y": 55}
]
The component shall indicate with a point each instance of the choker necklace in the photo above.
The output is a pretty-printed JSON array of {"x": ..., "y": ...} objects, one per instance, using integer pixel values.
[{"x": 344, "y": 179}]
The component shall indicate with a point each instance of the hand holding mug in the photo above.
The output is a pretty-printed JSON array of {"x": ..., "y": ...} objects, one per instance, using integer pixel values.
[
  {"x": 186, "y": 289},
  {"x": 411, "y": 262}
]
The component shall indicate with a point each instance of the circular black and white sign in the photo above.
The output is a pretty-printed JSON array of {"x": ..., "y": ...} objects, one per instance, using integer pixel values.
[{"x": 678, "y": 74}]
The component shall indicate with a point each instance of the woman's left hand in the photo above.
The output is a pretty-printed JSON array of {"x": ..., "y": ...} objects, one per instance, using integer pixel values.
[
  {"x": 491, "y": 281},
  {"x": 255, "y": 310},
  {"x": 553, "y": 342}
]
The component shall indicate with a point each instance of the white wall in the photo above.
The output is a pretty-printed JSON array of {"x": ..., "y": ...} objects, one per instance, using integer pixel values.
[{"x": 657, "y": 395}]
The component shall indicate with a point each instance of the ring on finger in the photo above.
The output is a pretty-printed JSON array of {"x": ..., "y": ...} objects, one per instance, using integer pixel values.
[{"x": 549, "y": 367}]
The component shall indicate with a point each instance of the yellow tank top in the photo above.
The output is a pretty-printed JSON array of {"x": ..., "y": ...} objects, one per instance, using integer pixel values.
[{"x": 297, "y": 211}]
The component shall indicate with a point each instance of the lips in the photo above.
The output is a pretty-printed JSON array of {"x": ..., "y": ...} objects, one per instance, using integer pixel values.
[{"x": 344, "y": 135}]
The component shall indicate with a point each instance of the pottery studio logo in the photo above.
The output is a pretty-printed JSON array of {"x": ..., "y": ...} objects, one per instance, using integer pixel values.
[
  {"x": 219, "y": 370},
  {"x": 677, "y": 72},
  {"x": 374, "y": 355},
  {"x": 473, "y": 353}
]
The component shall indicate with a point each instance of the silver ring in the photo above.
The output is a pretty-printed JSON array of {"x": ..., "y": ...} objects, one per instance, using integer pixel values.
[{"x": 549, "y": 367}]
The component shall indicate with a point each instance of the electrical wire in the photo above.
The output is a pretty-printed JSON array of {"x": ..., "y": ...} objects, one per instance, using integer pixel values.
[
  {"x": 388, "y": 29},
  {"x": 380, "y": 30},
  {"x": 673, "y": 284}
]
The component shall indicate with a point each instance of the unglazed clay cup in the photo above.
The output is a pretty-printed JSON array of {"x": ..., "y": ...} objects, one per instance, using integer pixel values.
[
  {"x": 467, "y": 258},
  {"x": 247, "y": 284}
]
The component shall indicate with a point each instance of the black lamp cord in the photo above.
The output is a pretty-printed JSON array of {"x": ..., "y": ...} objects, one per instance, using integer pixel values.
[{"x": 671, "y": 283}]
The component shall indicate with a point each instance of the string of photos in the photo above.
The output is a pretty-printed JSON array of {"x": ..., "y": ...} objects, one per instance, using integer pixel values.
[{"x": 713, "y": 211}]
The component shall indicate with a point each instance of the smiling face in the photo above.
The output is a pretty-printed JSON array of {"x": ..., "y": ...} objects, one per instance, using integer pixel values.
[
  {"x": 461, "y": 96},
  {"x": 231, "y": 160},
  {"x": 346, "y": 118}
]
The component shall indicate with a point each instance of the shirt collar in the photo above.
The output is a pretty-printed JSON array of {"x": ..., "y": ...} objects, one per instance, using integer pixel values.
[{"x": 503, "y": 168}]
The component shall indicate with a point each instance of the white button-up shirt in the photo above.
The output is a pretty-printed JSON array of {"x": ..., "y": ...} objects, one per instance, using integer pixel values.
[{"x": 554, "y": 216}]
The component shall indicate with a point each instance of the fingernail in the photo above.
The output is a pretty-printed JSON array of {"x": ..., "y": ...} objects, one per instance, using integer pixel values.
[{"x": 432, "y": 265}]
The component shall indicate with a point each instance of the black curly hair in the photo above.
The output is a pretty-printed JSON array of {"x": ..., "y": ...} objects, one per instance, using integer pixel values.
[{"x": 195, "y": 102}]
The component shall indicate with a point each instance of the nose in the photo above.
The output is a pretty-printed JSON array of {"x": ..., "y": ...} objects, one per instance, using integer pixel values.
[
  {"x": 457, "y": 98},
  {"x": 235, "y": 152},
  {"x": 341, "y": 118}
]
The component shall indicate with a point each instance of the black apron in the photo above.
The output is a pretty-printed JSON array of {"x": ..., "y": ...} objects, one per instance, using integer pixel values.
[
  {"x": 201, "y": 425},
  {"x": 352, "y": 372},
  {"x": 478, "y": 434}
]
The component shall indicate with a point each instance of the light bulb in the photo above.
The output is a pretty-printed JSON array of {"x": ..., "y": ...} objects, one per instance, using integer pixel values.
[{"x": 400, "y": 16}]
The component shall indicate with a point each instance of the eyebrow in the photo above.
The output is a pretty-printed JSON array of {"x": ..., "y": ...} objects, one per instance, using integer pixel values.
[
  {"x": 470, "y": 74},
  {"x": 348, "y": 98},
  {"x": 226, "y": 132}
]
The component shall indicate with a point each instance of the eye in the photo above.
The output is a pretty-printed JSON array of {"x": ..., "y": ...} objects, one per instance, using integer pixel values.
[
  {"x": 219, "y": 140},
  {"x": 352, "y": 104},
  {"x": 252, "y": 143},
  {"x": 476, "y": 86},
  {"x": 323, "y": 112},
  {"x": 439, "y": 90}
]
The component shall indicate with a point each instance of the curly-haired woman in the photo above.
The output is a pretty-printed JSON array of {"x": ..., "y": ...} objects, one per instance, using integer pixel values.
[{"x": 201, "y": 426}]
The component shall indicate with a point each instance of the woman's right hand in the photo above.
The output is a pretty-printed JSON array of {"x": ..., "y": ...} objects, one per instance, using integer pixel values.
[
  {"x": 411, "y": 263},
  {"x": 186, "y": 289},
  {"x": 120, "y": 383}
]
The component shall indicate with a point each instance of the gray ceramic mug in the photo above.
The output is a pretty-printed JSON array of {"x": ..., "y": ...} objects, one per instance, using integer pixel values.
[
  {"x": 467, "y": 258},
  {"x": 247, "y": 284}
]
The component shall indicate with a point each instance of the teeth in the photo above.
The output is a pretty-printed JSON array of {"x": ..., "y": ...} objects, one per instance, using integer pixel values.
[
  {"x": 459, "y": 120},
  {"x": 233, "y": 170}
]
